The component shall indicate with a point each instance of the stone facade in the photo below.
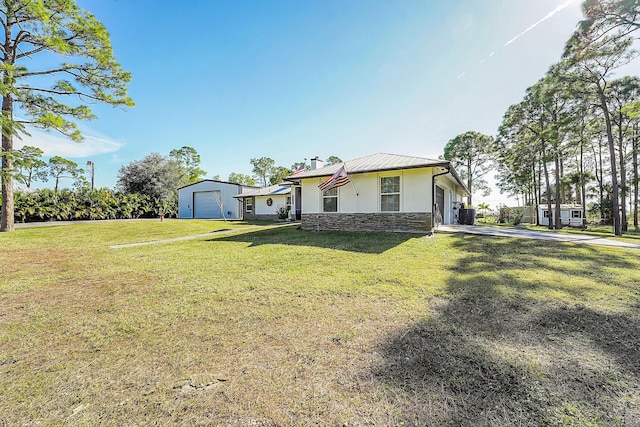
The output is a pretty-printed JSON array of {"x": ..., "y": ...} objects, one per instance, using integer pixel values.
[
  {"x": 250, "y": 216},
  {"x": 416, "y": 222}
]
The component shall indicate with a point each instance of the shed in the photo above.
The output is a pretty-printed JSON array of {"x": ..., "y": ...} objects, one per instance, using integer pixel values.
[
  {"x": 570, "y": 214},
  {"x": 210, "y": 199}
]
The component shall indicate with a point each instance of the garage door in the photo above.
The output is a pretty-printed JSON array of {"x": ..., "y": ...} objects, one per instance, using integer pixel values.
[{"x": 205, "y": 205}]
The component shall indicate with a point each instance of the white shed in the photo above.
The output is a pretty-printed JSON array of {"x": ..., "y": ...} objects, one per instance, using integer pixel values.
[
  {"x": 210, "y": 199},
  {"x": 570, "y": 215}
]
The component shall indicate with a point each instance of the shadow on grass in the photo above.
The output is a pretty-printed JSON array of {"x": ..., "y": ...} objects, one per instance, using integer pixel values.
[
  {"x": 491, "y": 354},
  {"x": 370, "y": 243}
]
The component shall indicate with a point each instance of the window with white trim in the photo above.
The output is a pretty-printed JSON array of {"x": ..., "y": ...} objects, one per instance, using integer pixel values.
[
  {"x": 576, "y": 214},
  {"x": 248, "y": 204},
  {"x": 330, "y": 200},
  {"x": 390, "y": 194}
]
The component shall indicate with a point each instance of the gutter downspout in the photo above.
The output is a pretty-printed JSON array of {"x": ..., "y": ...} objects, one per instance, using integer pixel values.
[{"x": 433, "y": 194}]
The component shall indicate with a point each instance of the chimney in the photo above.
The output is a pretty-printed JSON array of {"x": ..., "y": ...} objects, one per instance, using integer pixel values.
[{"x": 316, "y": 163}]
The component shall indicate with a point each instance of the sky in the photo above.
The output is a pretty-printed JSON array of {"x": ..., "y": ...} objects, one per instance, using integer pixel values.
[{"x": 295, "y": 79}]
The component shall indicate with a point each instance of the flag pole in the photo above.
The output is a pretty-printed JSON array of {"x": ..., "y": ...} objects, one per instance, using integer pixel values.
[{"x": 352, "y": 183}]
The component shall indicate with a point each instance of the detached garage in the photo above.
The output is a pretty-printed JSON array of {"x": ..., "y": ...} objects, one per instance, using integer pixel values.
[{"x": 210, "y": 199}]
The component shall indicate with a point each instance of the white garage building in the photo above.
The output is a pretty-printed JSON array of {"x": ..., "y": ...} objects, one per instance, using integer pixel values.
[{"x": 210, "y": 199}]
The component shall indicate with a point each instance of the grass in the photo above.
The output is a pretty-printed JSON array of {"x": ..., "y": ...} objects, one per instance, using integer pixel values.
[{"x": 282, "y": 327}]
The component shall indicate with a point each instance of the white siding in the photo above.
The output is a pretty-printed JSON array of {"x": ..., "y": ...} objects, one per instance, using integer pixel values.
[
  {"x": 311, "y": 195},
  {"x": 261, "y": 207},
  {"x": 364, "y": 201},
  {"x": 416, "y": 190}
]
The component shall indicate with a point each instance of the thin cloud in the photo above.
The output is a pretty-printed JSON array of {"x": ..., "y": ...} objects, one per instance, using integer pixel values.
[
  {"x": 547, "y": 16},
  {"x": 56, "y": 145},
  {"x": 461, "y": 75}
]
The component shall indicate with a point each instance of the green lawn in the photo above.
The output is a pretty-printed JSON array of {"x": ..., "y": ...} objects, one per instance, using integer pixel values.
[{"x": 281, "y": 327}]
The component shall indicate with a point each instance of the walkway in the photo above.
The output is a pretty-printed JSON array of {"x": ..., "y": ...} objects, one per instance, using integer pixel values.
[{"x": 521, "y": 233}]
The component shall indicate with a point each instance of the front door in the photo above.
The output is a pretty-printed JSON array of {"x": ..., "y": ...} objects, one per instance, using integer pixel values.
[
  {"x": 440, "y": 203},
  {"x": 298, "y": 202}
]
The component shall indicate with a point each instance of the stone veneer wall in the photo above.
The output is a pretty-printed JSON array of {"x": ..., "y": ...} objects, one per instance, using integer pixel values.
[
  {"x": 416, "y": 222},
  {"x": 250, "y": 216}
]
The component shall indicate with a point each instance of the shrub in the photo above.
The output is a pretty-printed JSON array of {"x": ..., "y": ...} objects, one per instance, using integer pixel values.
[
  {"x": 282, "y": 212},
  {"x": 86, "y": 204}
]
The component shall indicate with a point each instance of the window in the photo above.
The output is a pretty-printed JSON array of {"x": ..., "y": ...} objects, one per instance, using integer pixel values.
[
  {"x": 248, "y": 204},
  {"x": 576, "y": 214},
  {"x": 390, "y": 194},
  {"x": 545, "y": 214},
  {"x": 330, "y": 200}
]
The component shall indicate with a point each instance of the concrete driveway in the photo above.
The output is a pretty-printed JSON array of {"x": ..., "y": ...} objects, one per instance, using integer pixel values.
[{"x": 521, "y": 233}]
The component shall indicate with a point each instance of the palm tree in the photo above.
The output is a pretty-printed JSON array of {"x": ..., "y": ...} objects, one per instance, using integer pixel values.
[{"x": 483, "y": 208}]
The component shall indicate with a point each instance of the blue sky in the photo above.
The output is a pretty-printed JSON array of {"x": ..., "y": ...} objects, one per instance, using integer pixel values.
[{"x": 295, "y": 79}]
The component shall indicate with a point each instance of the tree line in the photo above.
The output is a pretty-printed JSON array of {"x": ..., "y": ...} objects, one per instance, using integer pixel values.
[
  {"x": 145, "y": 188},
  {"x": 265, "y": 171},
  {"x": 575, "y": 135},
  {"x": 29, "y": 167}
]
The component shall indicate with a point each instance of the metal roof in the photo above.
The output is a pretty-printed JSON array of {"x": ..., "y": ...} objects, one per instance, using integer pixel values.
[
  {"x": 219, "y": 182},
  {"x": 272, "y": 190},
  {"x": 376, "y": 163},
  {"x": 372, "y": 163},
  {"x": 562, "y": 206}
]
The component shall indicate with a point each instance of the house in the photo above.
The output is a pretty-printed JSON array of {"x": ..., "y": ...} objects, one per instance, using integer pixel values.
[
  {"x": 266, "y": 203},
  {"x": 384, "y": 192},
  {"x": 570, "y": 215},
  {"x": 210, "y": 198}
]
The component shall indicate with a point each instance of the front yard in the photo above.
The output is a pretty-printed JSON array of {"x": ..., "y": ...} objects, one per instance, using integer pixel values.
[{"x": 278, "y": 326}]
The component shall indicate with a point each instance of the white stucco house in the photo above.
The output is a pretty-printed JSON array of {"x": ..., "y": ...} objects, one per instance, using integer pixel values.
[
  {"x": 265, "y": 203},
  {"x": 210, "y": 199},
  {"x": 384, "y": 192}
]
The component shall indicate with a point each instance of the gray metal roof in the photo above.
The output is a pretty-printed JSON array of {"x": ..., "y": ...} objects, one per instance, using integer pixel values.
[
  {"x": 219, "y": 182},
  {"x": 376, "y": 163},
  {"x": 372, "y": 163},
  {"x": 272, "y": 190}
]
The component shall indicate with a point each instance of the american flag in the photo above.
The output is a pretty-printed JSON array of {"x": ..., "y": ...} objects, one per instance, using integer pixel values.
[
  {"x": 338, "y": 179},
  {"x": 301, "y": 168}
]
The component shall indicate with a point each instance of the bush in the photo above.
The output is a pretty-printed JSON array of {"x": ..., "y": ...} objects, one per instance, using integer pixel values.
[
  {"x": 282, "y": 212},
  {"x": 86, "y": 204},
  {"x": 511, "y": 216}
]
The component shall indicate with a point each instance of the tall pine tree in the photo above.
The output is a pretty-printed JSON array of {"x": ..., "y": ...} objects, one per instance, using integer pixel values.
[{"x": 55, "y": 96}]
